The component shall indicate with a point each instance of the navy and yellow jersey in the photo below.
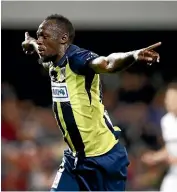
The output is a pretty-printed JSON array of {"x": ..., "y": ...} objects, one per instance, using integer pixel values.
[{"x": 77, "y": 104}]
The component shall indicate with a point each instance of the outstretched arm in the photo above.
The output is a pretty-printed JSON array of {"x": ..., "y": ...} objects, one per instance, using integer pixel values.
[
  {"x": 154, "y": 157},
  {"x": 120, "y": 61},
  {"x": 110, "y": 64}
]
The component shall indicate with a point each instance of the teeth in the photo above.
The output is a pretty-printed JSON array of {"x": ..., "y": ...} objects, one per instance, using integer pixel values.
[{"x": 40, "y": 49}]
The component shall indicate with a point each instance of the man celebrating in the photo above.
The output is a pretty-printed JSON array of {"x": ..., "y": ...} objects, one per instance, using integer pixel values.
[{"x": 95, "y": 160}]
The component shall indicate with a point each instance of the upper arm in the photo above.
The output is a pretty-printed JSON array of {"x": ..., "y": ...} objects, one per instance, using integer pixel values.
[
  {"x": 110, "y": 64},
  {"x": 100, "y": 65}
]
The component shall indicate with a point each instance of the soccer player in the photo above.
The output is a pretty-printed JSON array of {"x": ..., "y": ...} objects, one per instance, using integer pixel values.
[
  {"x": 95, "y": 160},
  {"x": 168, "y": 153}
]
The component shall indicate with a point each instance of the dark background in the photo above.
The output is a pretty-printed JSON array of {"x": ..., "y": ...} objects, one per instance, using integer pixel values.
[{"x": 31, "y": 81}]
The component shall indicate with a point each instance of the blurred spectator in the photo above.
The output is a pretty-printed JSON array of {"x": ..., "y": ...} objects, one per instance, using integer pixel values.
[
  {"x": 29, "y": 135},
  {"x": 10, "y": 114},
  {"x": 135, "y": 87}
]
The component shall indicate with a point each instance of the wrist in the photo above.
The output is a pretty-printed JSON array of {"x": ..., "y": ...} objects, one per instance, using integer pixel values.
[
  {"x": 135, "y": 54},
  {"x": 34, "y": 44}
]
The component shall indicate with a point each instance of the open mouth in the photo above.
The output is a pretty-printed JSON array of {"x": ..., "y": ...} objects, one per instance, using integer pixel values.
[{"x": 41, "y": 50}]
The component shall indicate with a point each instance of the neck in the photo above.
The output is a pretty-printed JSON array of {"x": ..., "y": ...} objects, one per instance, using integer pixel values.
[{"x": 61, "y": 53}]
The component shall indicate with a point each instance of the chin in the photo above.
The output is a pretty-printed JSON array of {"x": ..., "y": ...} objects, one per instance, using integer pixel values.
[
  {"x": 44, "y": 59},
  {"x": 48, "y": 58}
]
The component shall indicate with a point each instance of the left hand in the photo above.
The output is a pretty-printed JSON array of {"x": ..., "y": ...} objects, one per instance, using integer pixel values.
[{"x": 148, "y": 54}]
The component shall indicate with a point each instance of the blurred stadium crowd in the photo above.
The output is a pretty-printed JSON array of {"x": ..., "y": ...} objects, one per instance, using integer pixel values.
[{"x": 32, "y": 145}]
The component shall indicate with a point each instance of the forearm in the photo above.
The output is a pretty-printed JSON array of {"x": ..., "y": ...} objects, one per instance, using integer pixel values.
[
  {"x": 160, "y": 155},
  {"x": 120, "y": 61},
  {"x": 113, "y": 63}
]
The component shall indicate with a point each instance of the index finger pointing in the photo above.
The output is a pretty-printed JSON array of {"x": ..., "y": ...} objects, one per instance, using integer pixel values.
[
  {"x": 26, "y": 35},
  {"x": 153, "y": 46}
]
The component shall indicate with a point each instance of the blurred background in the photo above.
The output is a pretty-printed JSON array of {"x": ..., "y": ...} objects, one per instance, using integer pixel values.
[{"x": 31, "y": 143}]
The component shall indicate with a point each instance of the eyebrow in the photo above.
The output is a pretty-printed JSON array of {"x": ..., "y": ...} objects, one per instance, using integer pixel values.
[{"x": 39, "y": 32}]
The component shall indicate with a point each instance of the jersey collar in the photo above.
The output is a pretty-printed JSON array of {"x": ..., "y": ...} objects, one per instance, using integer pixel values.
[{"x": 71, "y": 50}]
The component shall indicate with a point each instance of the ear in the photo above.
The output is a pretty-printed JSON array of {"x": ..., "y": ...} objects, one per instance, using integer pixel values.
[{"x": 65, "y": 38}]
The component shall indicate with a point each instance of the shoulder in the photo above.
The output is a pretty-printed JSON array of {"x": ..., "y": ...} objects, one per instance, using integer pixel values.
[
  {"x": 85, "y": 54},
  {"x": 80, "y": 58}
]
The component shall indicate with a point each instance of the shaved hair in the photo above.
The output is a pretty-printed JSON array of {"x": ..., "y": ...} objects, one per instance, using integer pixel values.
[{"x": 63, "y": 24}]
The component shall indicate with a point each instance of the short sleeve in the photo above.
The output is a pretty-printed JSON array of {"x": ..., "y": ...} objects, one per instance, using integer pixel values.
[{"x": 79, "y": 61}]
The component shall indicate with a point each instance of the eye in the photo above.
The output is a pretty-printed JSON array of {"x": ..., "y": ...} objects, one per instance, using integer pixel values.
[{"x": 39, "y": 35}]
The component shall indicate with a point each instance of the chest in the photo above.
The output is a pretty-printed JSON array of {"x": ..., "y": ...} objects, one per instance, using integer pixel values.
[
  {"x": 59, "y": 86},
  {"x": 57, "y": 74}
]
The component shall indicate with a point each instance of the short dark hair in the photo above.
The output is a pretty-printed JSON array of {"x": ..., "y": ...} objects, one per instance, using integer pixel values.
[{"x": 64, "y": 23}]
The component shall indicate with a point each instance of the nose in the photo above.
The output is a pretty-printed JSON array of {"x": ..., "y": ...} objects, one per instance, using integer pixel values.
[{"x": 39, "y": 41}]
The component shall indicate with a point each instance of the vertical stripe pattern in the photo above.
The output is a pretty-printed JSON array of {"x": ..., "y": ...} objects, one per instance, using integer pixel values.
[
  {"x": 108, "y": 124},
  {"x": 72, "y": 128},
  {"x": 55, "y": 109},
  {"x": 88, "y": 82}
]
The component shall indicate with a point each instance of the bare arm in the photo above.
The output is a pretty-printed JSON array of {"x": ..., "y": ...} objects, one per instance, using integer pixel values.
[
  {"x": 152, "y": 158},
  {"x": 120, "y": 61},
  {"x": 112, "y": 63},
  {"x": 160, "y": 155}
]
